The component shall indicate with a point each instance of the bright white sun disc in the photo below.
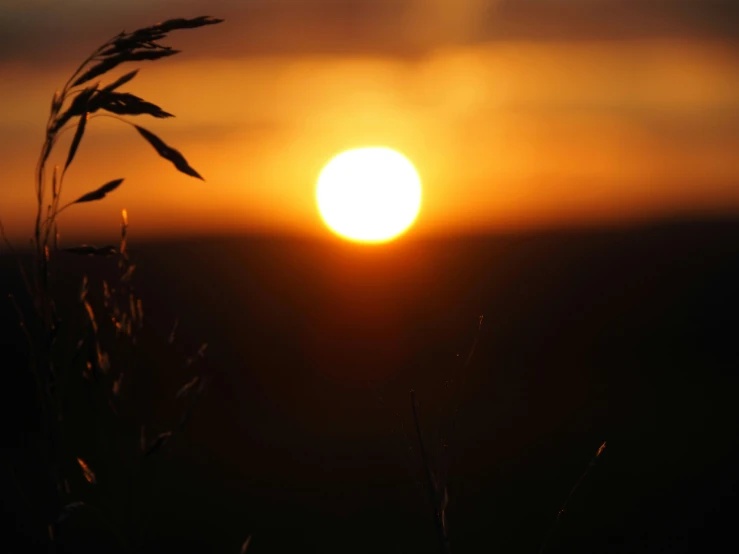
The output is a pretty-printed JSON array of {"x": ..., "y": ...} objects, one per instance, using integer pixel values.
[{"x": 369, "y": 194}]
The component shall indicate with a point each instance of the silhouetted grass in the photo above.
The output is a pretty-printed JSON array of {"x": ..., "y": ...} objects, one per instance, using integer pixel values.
[{"x": 103, "y": 354}]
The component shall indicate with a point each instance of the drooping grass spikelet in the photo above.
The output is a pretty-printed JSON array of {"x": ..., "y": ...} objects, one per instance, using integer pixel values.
[{"x": 89, "y": 474}]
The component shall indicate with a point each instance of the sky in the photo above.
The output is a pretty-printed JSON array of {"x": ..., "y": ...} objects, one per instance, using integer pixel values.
[{"x": 517, "y": 114}]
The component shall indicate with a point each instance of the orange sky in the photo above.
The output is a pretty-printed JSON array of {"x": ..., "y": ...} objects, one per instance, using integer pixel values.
[{"x": 514, "y": 118}]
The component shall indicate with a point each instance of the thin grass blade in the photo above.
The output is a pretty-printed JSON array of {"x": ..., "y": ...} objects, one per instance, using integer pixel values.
[
  {"x": 124, "y": 103},
  {"x": 100, "y": 193},
  {"x": 96, "y": 70},
  {"x": 180, "y": 23},
  {"x": 56, "y": 102},
  {"x": 83, "y": 289},
  {"x": 157, "y": 443},
  {"x": 126, "y": 277},
  {"x": 69, "y": 509},
  {"x": 120, "y": 81},
  {"x": 88, "y": 250},
  {"x": 187, "y": 387},
  {"x": 168, "y": 153},
  {"x": 172, "y": 333},
  {"x": 110, "y": 62},
  {"x": 54, "y": 183},
  {"x": 149, "y": 55},
  {"x": 89, "y": 474},
  {"x": 91, "y": 316},
  {"x": 76, "y": 140},
  {"x": 117, "y": 385},
  {"x": 78, "y": 106}
]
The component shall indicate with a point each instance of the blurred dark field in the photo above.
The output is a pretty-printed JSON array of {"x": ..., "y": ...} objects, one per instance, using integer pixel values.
[{"x": 629, "y": 336}]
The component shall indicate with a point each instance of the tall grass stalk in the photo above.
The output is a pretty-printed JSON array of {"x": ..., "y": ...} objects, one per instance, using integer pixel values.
[
  {"x": 563, "y": 510},
  {"x": 82, "y": 98}
]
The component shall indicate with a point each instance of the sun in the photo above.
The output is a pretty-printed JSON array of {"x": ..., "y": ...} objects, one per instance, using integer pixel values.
[{"x": 369, "y": 194}]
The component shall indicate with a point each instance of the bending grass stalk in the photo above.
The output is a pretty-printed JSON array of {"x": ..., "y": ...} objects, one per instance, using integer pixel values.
[
  {"x": 434, "y": 493},
  {"x": 437, "y": 485},
  {"x": 444, "y": 465},
  {"x": 563, "y": 509}
]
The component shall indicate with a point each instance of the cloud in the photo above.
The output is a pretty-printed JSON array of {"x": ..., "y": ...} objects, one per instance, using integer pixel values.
[{"x": 48, "y": 31}]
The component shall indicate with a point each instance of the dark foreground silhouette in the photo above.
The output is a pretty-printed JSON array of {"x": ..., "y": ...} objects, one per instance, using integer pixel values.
[{"x": 626, "y": 336}]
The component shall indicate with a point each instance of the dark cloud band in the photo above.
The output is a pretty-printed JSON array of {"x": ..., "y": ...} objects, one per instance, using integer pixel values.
[{"x": 51, "y": 32}]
